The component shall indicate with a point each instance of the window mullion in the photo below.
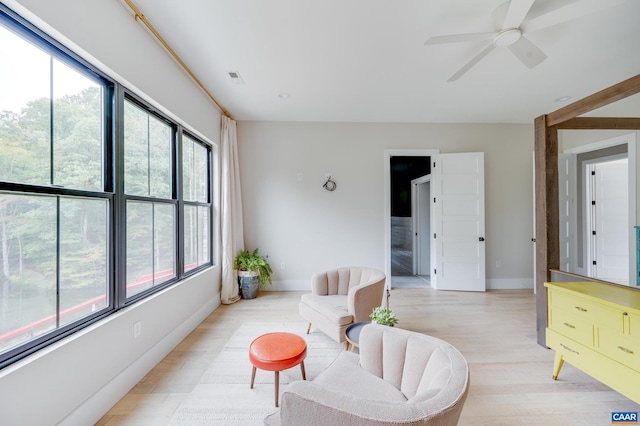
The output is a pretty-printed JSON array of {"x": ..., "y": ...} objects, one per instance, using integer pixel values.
[
  {"x": 149, "y": 156},
  {"x": 51, "y": 122},
  {"x": 153, "y": 244},
  {"x": 179, "y": 192},
  {"x": 118, "y": 232},
  {"x": 58, "y": 262}
]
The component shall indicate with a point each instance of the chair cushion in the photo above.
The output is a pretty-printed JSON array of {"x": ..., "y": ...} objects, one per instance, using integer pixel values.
[
  {"x": 346, "y": 375},
  {"x": 333, "y": 307}
]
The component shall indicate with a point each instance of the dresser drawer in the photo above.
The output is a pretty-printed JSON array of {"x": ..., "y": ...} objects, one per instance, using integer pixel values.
[
  {"x": 624, "y": 349},
  {"x": 579, "y": 355},
  {"x": 590, "y": 311},
  {"x": 571, "y": 325}
]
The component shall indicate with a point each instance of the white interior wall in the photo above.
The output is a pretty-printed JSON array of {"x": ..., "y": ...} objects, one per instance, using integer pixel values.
[
  {"x": 78, "y": 379},
  {"x": 299, "y": 224}
]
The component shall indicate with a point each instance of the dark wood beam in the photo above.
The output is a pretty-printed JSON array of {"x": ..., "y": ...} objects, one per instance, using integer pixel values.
[
  {"x": 600, "y": 123},
  {"x": 547, "y": 216},
  {"x": 604, "y": 97}
]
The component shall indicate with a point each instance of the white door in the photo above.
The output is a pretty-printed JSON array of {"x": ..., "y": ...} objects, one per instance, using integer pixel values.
[
  {"x": 458, "y": 222},
  {"x": 424, "y": 228},
  {"x": 610, "y": 221},
  {"x": 421, "y": 220}
]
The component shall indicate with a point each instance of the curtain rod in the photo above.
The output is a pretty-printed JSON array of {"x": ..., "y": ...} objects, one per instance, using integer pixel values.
[{"x": 138, "y": 16}]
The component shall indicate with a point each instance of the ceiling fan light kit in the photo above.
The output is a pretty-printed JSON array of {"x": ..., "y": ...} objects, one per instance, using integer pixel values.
[{"x": 507, "y": 37}]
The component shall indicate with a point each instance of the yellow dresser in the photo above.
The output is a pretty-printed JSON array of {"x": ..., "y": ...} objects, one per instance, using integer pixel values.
[{"x": 596, "y": 328}]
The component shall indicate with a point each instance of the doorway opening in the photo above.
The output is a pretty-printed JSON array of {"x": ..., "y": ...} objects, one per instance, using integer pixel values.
[{"x": 409, "y": 215}]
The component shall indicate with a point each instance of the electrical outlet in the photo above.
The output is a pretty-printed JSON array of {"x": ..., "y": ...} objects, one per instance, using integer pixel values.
[
  {"x": 299, "y": 176},
  {"x": 137, "y": 329},
  {"x": 498, "y": 264},
  {"x": 283, "y": 265}
]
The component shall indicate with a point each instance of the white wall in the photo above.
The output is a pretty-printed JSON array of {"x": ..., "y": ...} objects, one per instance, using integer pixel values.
[
  {"x": 298, "y": 223},
  {"x": 78, "y": 379}
]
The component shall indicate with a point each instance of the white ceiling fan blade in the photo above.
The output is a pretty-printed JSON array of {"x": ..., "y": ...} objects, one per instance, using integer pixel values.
[
  {"x": 516, "y": 13},
  {"x": 528, "y": 53},
  {"x": 457, "y": 38},
  {"x": 466, "y": 67},
  {"x": 566, "y": 12}
]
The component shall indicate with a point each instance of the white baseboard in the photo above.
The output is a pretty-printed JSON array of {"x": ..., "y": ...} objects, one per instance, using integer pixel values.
[
  {"x": 99, "y": 403},
  {"x": 289, "y": 285},
  {"x": 509, "y": 283},
  {"x": 492, "y": 284}
]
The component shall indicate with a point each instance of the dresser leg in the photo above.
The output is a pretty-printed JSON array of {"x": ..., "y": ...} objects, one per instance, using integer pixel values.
[{"x": 557, "y": 365}]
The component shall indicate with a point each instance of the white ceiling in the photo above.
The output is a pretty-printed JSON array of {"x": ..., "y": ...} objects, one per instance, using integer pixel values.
[{"x": 366, "y": 60}]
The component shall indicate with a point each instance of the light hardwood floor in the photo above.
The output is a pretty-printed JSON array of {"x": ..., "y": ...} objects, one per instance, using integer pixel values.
[{"x": 510, "y": 373}]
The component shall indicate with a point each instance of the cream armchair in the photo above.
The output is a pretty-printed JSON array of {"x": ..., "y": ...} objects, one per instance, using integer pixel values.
[
  {"x": 341, "y": 297},
  {"x": 400, "y": 377}
]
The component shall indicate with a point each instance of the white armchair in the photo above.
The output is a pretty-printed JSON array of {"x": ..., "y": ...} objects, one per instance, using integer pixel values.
[
  {"x": 341, "y": 297},
  {"x": 400, "y": 377}
]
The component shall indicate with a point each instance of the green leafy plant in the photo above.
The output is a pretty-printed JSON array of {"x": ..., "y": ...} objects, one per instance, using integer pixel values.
[
  {"x": 254, "y": 262},
  {"x": 383, "y": 316}
]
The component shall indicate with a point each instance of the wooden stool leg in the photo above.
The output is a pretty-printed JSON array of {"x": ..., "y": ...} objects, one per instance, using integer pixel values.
[
  {"x": 253, "y": 376},
  {"x": 277, "y": 382},
  {"x": 304, "y": 376},
  {"x": 308, "y": 328}
]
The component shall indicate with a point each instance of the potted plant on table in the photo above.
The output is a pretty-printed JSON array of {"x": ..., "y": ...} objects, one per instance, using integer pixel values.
[
  {"x": 383, "y": 316},
  {"x": 253, "y": 271}
]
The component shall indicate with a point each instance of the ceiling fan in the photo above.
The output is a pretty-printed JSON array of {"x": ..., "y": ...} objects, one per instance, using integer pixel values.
[{"x": 512, "y": 23}]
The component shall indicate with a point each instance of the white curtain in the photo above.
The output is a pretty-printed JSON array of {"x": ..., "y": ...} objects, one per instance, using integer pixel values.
[{"x": 230, "y": 209}]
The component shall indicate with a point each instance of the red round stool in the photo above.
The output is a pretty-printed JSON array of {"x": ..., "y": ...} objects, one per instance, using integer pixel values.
[{"x": 277, "y": 352}]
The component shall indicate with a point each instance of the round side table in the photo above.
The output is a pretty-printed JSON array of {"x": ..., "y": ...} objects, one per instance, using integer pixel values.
[{"x": 352, "y": 334}]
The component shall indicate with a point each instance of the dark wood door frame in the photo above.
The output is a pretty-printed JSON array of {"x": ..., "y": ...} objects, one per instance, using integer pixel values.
[{"x": 546, "y": 180}]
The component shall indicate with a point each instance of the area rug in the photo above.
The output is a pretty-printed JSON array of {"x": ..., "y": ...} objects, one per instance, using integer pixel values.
[{"x": 223, "y": 396}]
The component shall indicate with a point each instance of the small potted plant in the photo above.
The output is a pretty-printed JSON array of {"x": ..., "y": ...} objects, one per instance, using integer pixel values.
[
  {"x": 253, "y": 271},
  {"x": 383, "y": 316}
]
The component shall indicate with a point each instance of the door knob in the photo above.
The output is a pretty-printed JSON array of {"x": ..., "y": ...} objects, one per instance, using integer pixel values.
[{"x": 481, "y": 239}]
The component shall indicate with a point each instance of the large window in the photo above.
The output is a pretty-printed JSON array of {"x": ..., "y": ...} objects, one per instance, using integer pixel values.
[
  {"x": 197, "y": 203},
  {"x": 150, "y": 207},
  {"x": 90, "y": 205}
]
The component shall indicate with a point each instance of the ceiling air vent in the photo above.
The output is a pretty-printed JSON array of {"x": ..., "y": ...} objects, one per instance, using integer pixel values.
[{"x": 235, "y": 77}]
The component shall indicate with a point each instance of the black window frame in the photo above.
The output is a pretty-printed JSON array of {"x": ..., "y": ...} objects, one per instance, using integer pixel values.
[{"x": 114, "y": 96}]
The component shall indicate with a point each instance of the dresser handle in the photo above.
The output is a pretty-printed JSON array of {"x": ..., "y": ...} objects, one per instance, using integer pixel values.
[
  {"x": 625, "y": 314},
  {"x": 581, "y": 309},
  {"x": 569, "y": 349},
  {"x": 623, "y": 349},
  {"x": 569, "y": 325}
]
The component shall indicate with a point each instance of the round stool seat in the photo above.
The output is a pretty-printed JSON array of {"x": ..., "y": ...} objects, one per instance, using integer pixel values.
[{"x": 277, "y": 351}]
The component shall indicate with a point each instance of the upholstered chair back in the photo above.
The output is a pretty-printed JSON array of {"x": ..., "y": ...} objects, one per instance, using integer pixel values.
[
  {"x": 341, "y": 280},
  {"x": 421, "y": 367}
]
